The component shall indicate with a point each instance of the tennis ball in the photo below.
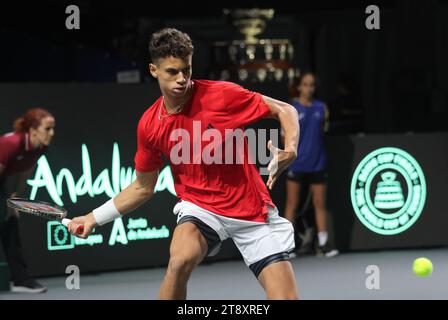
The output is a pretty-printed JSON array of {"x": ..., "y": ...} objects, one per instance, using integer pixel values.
[{"x": 422, "y": 267}]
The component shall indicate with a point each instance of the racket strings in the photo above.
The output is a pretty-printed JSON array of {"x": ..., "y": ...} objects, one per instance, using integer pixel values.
[{"x": 37, "y": 208}]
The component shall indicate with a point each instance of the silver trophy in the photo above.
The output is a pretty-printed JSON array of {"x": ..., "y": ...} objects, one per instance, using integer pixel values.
[{"x": 250, "y": 58}]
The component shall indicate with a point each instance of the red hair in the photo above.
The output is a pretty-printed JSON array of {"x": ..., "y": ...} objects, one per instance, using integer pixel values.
[{"x": 31, "y": 119}]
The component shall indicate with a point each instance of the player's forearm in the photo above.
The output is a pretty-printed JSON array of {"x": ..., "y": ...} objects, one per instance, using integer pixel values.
[
  {"x": 132, "y": 197},
  {"x": 127, "y": 200},
  {"x": 289, "y": 120}
]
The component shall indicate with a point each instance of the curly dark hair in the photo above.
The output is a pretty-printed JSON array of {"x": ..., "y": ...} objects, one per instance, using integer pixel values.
[{"x": 170, "y": 42}]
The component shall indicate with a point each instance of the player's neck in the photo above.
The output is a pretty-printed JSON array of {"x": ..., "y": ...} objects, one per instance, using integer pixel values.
[
  {"x": 174, "y": 104},
  {"x": 34, "y": 142},
  {"x": 305, "y": 101}
]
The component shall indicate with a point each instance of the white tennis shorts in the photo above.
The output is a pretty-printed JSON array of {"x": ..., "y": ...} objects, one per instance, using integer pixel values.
[{"x": 255, "y": 240}]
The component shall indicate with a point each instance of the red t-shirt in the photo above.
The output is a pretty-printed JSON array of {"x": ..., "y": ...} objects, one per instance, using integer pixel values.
[
  {"x": 17, "y": 153},
  {"x": 233, "y": 190}
]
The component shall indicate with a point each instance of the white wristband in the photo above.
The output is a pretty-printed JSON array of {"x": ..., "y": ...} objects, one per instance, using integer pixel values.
[{"x": 106, "y": 213}]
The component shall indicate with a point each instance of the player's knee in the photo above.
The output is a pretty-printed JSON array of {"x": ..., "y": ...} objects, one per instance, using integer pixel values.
[{"x": 180, "y": 266}]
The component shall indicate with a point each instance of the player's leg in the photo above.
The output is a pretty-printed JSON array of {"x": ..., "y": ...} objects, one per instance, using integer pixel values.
[
  {"x": 292, "y": 199},
  {"x": 278, "y": 281},
  {"x": 266, "y": 249},
  {"x": 188, "y": 248},
  {"x": 22, "y": 279},
  {"x": 318, "y": 191}
]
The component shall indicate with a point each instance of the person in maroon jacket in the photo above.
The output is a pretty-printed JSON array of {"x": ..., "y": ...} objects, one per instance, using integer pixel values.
[{"x": 19, "y": 152}]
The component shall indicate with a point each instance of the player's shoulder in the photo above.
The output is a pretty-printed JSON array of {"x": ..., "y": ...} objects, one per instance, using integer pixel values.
[
  {"x": 320, "y": 103},
  {"x": 12, "y": 139},
  {"x": 12, "y": 143}
]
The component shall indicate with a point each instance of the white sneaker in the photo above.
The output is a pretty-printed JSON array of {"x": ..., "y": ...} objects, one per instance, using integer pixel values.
[
  {"x": 327, "y": 251},
  {"x": 30, "y": 286}
]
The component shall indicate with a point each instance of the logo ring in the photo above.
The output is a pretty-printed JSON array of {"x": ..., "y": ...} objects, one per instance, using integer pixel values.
[{"x": 391, "y": 196}]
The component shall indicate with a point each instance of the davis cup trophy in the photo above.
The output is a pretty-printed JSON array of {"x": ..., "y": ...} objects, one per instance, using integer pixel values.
[{"x": 252, "y": 59}]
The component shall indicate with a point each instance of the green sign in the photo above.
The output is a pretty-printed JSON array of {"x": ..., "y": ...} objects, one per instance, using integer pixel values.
[
  {"x": 388, "y": 191},
  {"x": 137, "y": 230},
  {"x": 58, "y": 237},
  {"x": 109, "y": 181}
]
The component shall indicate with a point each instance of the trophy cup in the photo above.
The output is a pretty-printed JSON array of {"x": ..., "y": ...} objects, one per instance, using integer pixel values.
[
  {"x": 250, "y": 22},
  {"x": 252, "y": 59}
]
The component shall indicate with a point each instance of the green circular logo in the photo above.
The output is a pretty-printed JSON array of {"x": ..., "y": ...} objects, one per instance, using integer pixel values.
[
  {"x": 388, "y": 191},
  {"x": 60, "y": 240}
]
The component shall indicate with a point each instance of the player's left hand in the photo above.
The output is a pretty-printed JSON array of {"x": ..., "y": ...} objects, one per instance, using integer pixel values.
[{"x": 279, "y": 163}]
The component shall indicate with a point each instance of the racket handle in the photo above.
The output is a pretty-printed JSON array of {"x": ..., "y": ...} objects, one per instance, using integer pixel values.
[{"x": 79, "y": 229}]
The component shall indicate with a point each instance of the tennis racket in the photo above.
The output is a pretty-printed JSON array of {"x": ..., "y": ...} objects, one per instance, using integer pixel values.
[{"x": 42, "y": 209}]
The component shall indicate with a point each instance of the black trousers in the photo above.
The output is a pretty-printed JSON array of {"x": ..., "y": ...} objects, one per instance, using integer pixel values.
[{"x": 12, "y": 246}]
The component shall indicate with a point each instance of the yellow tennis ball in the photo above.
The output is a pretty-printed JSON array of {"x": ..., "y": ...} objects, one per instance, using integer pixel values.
[{"x": 422, "y": 267}]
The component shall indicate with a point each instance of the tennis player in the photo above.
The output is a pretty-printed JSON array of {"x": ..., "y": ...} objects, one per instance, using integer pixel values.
[
  {"x": 218, "y": 200},
  {"x": 19, "y": 152},
  {"x": 310, "y": 167}
]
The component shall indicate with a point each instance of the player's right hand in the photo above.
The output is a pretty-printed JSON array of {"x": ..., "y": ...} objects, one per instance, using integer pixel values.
[
  {"x": 279, "y": 163},
  {"x": 89, "y": 223}
]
